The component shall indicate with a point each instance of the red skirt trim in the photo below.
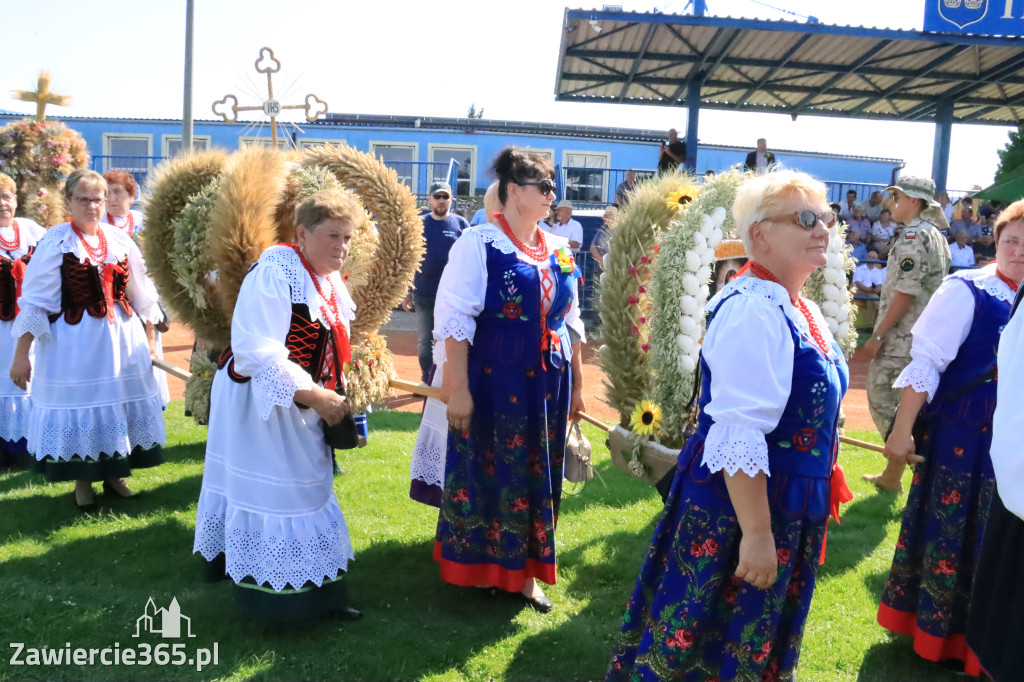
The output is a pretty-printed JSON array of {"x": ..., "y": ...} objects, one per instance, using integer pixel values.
[
  {"x": 471, "y": 575},
  {"x": 928, "y": 646}
]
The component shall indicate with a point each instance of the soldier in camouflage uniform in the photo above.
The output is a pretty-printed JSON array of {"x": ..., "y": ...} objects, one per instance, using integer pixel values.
[{"x": 917, "y": 262}]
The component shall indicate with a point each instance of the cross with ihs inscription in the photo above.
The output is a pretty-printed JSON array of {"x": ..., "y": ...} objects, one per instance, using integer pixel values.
[
  {"x": 41, "y": 96},
  {"x": 268, "y": 64}
]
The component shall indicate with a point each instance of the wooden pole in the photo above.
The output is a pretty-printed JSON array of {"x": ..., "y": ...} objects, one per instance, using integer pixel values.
[{"x": 182, "y": 374}]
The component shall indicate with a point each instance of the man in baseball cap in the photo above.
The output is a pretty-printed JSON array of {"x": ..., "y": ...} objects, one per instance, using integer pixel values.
[{"x": 566, "y": 227}]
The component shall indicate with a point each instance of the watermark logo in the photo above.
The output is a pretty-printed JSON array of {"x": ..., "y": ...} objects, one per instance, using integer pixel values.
[
  {"x": 164, "y": 622},
  {"x": 168, "y": 623}
]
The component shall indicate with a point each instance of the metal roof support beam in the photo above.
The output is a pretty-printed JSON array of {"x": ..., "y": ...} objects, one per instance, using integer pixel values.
[
  {"x": 651, "y": 30},
  {"x": 692, "y": 119},
  {"x": 943, "y": 135}
]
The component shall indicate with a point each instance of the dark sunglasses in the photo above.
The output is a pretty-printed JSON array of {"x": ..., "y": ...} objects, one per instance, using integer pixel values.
[
  {"x": 442, "y": 196},
  {"x": 808, "y": 219},
  {"x": 545, "y": 186}
]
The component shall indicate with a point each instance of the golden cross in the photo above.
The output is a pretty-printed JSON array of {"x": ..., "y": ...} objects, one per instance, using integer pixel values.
[
  {"x": 42, "y": 96},
  {"x": 314, "y": 106}
]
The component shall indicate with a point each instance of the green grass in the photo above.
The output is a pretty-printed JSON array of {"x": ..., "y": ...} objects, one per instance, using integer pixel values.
[{"x": 83, "y": 580}]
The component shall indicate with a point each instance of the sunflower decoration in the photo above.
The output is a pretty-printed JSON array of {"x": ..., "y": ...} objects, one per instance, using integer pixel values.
[
  {"x": 646, "y": 418},
  {"x": 681, "y": 198}
]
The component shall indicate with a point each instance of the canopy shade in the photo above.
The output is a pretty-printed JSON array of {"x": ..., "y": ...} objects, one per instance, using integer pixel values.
[
  {"x": 790, "y": 67},
  {"x": 1007, "y": 190}
]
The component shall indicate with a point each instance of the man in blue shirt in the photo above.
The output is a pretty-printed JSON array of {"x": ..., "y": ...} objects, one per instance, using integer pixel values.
[{"x": 441, "y": 228}]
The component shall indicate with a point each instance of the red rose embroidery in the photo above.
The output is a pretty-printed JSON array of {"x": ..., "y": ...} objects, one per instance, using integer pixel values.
[
  {"x": 512, "y": 310},
  {"x": 805, "y": 439},
  {"x": 520, "y": 504},
  {"x": 955, "y": 496},
  {"x": 758, "y": 657},
  {"x": 682, "y": 639},
  {"x": 730, "y": 594},
  {"x": 901, "y": 543},
  {"x": 958, "y": 452},
  {"x": 696, "y": 549},
  {"x": 782, "y": 555},
  {"x": 945, "y": 567},
  {"x": 710, "y": 547},
  {"x": 461, "y": 495}
]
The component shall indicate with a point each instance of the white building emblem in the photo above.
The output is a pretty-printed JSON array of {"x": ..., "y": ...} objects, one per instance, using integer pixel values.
[
  {"x": 962, "y": 13},
  {"x": 164, "y": 622}
]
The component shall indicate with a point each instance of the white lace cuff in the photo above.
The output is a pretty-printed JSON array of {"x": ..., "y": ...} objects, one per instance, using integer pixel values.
[
  {"x": 275, "y": 386},
  {"x": 151, "y": 313},
  {"x": 921, "y": 376},
  {"x": 458, "y": 326},
  {"x": 734, "y": 448},
  {"x": 31, "y": 320}
]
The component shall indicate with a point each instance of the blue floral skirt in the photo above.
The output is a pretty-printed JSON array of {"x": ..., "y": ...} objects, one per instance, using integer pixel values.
[{"x": 689, "y": 618}]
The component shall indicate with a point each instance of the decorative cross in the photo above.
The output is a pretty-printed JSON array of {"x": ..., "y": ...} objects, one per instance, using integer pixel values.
[
  {"x": 268, "y": 64},
  {"x": 42, "y": 96}
]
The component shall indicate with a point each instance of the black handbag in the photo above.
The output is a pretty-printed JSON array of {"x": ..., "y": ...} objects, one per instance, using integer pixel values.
[{"x": 343, "y": 435}]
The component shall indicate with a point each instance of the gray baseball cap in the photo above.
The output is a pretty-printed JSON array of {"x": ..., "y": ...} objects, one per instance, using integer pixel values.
[
  {"x": 440, "y": 187},
  {"x": 564, "y": 203}
]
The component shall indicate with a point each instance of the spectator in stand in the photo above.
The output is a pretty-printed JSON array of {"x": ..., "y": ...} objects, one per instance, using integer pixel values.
[
  {"x": 846, "y": 211},
  {"x": 985, "y": 245},
  {"x": 760, "y": 159},
  {"x": 947, "y": 208},
  {"x": 858, "y": 221},
  {"x": 860, "y": 251},
  {"x": 859, "y": 248},
  {"x": 883, "y": 233},
  {"x": 550, "y": 221},
  {"x": 625, "y": 187},
  {"x": 672, "y": 152},
  {"x": 961, "y": 252},
  {"x": 566, "y": 227},
  {"x": 874, "y": 206},
  {"x": 441, "y": 228},
  {"x": 868, "y": 277},
  {"x": 599, "y": 246},
  {"x": 967, "y": 224}
]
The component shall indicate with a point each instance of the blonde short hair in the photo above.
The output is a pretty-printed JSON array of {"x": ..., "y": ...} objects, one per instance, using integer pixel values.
[
  {"x": 86, "y": 178},
  {"x": 330, "y": 204},
  {"x": 763, "y": 195},
  {"x": 7, "y": 183}
]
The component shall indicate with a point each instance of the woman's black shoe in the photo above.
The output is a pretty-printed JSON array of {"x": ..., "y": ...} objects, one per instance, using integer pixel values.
[{"x": 541, "y": 604}]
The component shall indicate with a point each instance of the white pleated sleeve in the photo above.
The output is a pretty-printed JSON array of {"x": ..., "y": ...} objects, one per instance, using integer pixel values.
[
  {"x": 259, "y": 326},
  {"x": 141, "y": 291},
  {"x": 937, "y": 335},
  {"x": 40, "y": 290},
  {"x": 1008, "y": 421},
  {"x": 749, "y": 351}
]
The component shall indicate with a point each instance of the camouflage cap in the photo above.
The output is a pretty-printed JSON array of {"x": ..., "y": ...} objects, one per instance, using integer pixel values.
[{"x": 916, "y": 188}]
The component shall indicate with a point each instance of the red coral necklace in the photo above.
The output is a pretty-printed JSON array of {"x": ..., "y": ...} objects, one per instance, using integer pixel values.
[
  {"x": 537, "y": 253},
  {"x": 766, "y": 274},
  {"x": 12, "y": 245},
  {"x": 340, "y": 335},
  {"x": 128, "y": 227},
  {"x": 1009, "y": 282},
  {"x": 98, "y": 254}
]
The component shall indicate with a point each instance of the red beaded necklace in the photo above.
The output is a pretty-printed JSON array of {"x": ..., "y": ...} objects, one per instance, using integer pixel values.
[
  {"x": 537, "y": 253},
  {"x": 98, "y": 254},
  {"x": 765, "y": 274},
  {"x": 12, "y": 245},
  {"x": 128, "y": 227},
  {"x": 1009, "y": 282},
  {"x": 332, "y": 302}
]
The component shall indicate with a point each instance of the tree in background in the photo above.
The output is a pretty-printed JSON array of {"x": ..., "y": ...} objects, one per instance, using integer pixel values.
[{"x": 1011, "y": 157}]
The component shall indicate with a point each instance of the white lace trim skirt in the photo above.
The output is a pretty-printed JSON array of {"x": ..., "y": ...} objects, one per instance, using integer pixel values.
[
  {"x": 62, "y": 433},
  {"x": 14, "y": 417},
  {"x": 431, "y": 449},
  {"x": 273, "y": 549}
]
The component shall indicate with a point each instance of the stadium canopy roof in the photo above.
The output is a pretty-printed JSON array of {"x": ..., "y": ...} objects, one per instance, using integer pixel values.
[{"x": 795, "y": 68}]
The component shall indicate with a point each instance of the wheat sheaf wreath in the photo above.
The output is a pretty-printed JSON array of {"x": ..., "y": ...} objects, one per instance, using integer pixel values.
[{"x": 211, "y": 215}]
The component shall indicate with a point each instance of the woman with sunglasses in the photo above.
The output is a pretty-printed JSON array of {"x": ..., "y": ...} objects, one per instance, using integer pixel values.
[
  {"x": 727, "y": 583},
  {"x": 944, "y": 425},
  {"x": 510, "y": 377},
  {"x": 96, "y": 412}
]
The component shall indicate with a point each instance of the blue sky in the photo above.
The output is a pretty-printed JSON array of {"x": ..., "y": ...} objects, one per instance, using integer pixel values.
[{"x": 124, "y": 58}]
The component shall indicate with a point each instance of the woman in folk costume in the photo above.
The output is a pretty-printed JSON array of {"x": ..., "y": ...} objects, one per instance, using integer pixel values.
[
  {"x": 122, "y": 190},
  {"x": 18, "y": 237},
  {"x": 727, "y": 583},
  {"x": 268, "y": 516},
  {"x": 96, "y": 412},
  {"x": 426, "y": 466},
  {"x": 944, "y": 423},
  {"x": 995, "y": 624},
  {"x": 511, "y": 378}
]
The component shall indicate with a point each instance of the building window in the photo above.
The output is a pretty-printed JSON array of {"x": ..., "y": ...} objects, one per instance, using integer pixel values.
[
  {"x": 307, "y": 142},
  {"x": 132, "y": 153},
  {"x": 283, "y": 142},
  {"x": 402, "y": 158},
  {"x": 172, "y": 144},
  {"x": 441, "y": 157},
  {"x": 548, "y": 154},
  {"x": 585, "y": 176}
]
